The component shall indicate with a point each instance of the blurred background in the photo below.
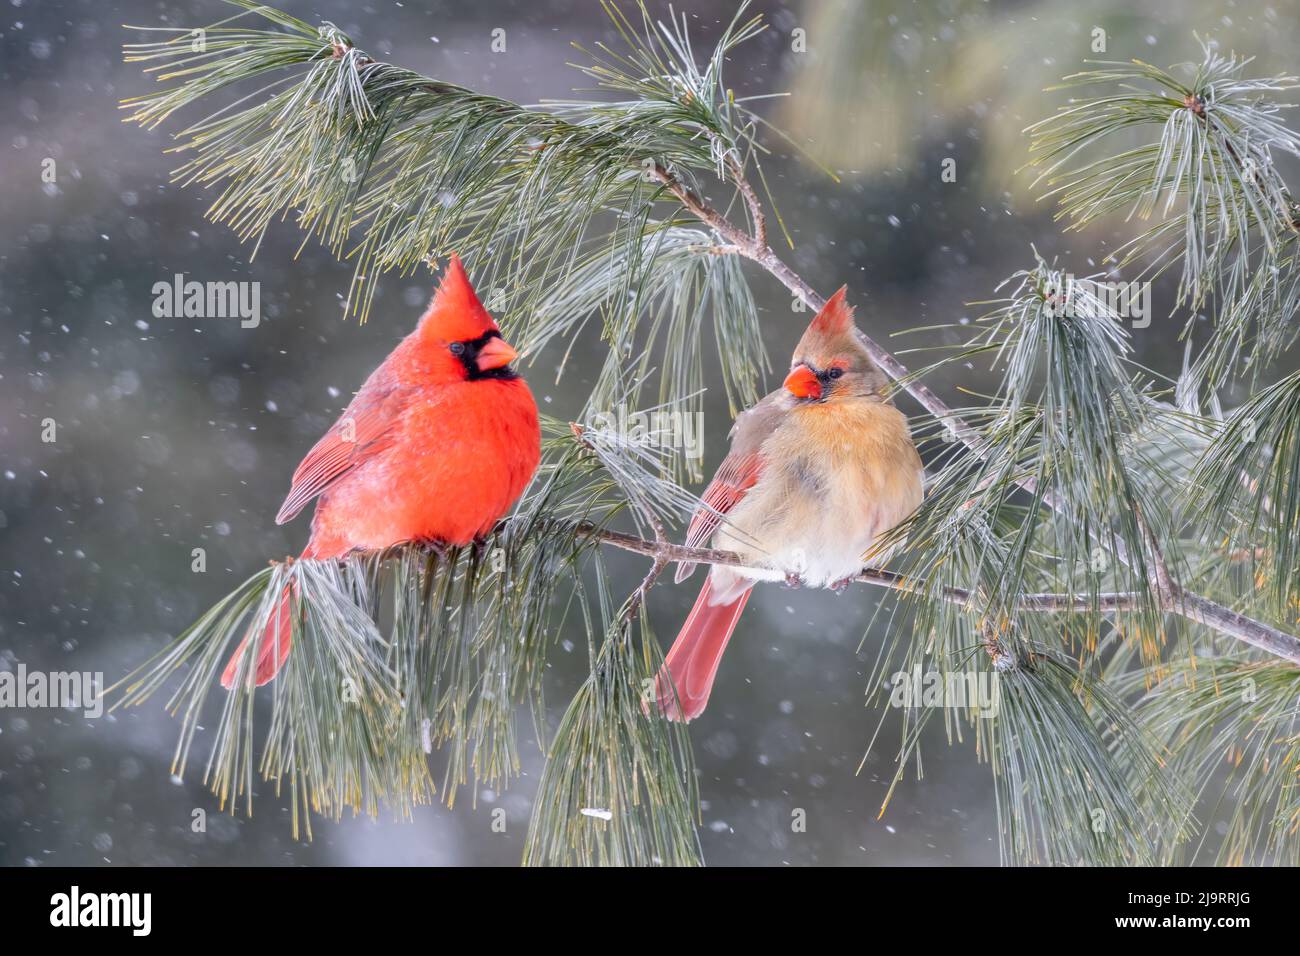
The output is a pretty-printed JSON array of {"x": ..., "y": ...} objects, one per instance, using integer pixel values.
[{"x": 175, "y": 434}]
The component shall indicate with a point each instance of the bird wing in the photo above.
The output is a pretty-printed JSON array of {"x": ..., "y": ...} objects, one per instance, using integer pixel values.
[
  {"x": 365, "y": 428},
  {"x": 736, "y": 475}
]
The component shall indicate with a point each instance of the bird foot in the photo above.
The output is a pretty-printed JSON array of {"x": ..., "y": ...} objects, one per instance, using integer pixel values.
[
  {"x": 794, "y": 579},
  {"x": 839, "y": 586},
  {"x": 433, "y": 546}
]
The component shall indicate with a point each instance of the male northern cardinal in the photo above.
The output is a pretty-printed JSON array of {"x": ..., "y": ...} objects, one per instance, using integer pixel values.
[
  {"x": 817, "y": 470},
  {"x": 437, "y": 445}
]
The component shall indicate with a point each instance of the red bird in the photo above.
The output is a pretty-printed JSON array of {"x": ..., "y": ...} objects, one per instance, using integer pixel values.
[
  {"x": 437, "y": 446},
  {"x": 817, "y": 470}
]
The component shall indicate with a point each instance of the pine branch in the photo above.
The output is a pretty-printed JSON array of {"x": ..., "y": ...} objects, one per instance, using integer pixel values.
[
  {"x": 1250, "y": 478},
  {"x": 618, "y": 787},
  {"x": 664, "y": 552},
  {"x": 1194, "y": 607},
  {"x": 1078, "y": 781},
  {"x": 1218, "y": 134},
  {"x": 1232, "y": 727}
]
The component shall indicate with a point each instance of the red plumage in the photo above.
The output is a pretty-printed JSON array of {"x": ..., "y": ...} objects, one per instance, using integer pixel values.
[{"x": 437, "y": 445}]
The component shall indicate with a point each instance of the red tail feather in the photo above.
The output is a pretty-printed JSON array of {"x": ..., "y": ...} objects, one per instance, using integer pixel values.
[
  {"x": 272, "y": 649},
  {"x": 693, "y": 660}
]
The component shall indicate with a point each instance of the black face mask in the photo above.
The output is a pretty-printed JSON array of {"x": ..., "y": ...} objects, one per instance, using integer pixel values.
[{"x": 468, "y": 354}]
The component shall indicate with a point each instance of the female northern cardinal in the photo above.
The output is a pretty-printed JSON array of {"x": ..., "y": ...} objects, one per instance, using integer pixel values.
[
  {"x": 437, "y": 445},
  {"x": 817, "y": 470}
]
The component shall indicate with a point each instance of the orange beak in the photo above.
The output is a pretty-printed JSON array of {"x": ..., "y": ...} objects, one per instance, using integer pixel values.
[
  {"x": 802, "y": 383},
  {"x": 494, "y": 354}
]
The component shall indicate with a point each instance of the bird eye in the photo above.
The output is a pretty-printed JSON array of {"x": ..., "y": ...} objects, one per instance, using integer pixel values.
[
  {"x": 457, "y": 348},
  {"x": 836, "y": 372}
]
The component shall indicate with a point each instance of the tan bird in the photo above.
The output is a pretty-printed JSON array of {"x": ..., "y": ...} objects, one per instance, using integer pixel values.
[{"x": 817, "y": 471}]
